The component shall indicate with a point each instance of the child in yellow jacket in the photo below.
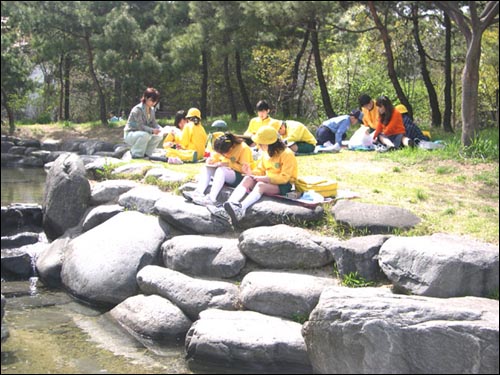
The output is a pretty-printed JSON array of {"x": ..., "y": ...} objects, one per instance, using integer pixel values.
[
  {"x": 273, "y": 174},
  {"x": 224, "y": 166}
]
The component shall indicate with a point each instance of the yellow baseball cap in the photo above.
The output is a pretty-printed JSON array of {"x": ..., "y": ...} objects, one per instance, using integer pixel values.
[
  {"x": 266, "y": 135},
  {"x": 401, "y": 108}
]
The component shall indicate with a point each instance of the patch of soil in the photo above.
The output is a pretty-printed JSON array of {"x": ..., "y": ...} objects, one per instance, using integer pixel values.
[{"x": 113, "y": 134}]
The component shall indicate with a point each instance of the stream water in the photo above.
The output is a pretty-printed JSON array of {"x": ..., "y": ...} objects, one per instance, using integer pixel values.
[{"x": 52, "y": 333}]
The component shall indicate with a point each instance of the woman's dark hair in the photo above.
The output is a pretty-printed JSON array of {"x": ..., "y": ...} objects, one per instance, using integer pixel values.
[
  {"x": 276, "y": 148},
  {"x": 224, "y": 143},
  {"x": 179, "y": 116},
  {"x": 152, "y": 93},
  {"x": 389, "y": 109},
  {"x": 262, "y": 105},
  {"x": 364, "y": 99}
]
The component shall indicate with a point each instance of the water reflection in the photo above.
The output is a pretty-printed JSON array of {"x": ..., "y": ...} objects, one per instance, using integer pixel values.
[{"x": 24, "y": 185}]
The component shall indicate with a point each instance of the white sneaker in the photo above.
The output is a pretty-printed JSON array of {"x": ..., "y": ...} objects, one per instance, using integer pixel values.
[
  {"x": 336, "y": 147},
  {"x": 219, "y": 212},
  {"x": 327, "y": 144},
  {"x": 235, "y": 211},
  {"x": 203, "y": 200},
  {"x": 192, "y": 195}
]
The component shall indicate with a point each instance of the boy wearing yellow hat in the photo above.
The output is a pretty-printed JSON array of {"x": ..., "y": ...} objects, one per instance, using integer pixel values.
[
  {"x": 413, "y": 132},
  {"x": 273, "y": 174},
  {"x": 194, "y": 136}
]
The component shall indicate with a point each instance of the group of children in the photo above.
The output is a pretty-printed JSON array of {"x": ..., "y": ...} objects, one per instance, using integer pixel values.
[{"x": 232, "y": 160}]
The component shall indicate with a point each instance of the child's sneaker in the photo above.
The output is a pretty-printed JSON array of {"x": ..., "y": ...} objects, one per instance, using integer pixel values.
[
  {"x": 203, "y": 200},
  {"x": 235, "y": 211},
  {"x": 219, "y": 212},
  {"x": 192, "y": 195}
]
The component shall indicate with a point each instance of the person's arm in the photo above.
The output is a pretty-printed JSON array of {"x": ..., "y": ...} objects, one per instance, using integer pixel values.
[
  {"x": 252, "y": 128},
  {"x": 288, "y": 170},
  {"x": 186, "y": 135},
  {"x": 343, "y": 126}
]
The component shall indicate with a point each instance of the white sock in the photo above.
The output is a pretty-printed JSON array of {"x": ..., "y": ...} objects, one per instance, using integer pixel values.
[
  {"x": 221, "y": 176},
  {"x": 252, "y": 198},
  {"x": 204, "y": 179},
  {"x": 238, "y": 194}
]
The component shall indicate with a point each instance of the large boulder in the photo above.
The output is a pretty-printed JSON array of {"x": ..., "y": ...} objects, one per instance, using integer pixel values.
[
  {"x": 285, "y": 294},
  {"x": 375, "y": 219},
  {"x": 248, "y": 342},
  {"x": 67, "y": 195},
  {"x": 203, "y": 256},
  {"x": 282, "y": 246},
  {"x": 371, "y": 330},
  {"x": 101, "y": 265},
  {"x": 152, "y": 317},
  {"x": 191, "y": 295},
  {"x": 441, "y": 265}
]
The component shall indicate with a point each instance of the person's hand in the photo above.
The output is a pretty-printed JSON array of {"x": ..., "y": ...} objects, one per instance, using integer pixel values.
[
  {"x": 156, "y": 131},
  {"x": 245, "y": 168},
  {"x": 261, "y": 179}
]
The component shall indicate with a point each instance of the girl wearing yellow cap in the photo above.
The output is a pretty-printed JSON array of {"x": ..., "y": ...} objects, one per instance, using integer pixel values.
[
  {"x": 273, "y": 174},
  {"x": 194, "y": 136}
]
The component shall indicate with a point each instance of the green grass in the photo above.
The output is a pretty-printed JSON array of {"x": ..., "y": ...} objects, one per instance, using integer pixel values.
[{"x": 453, "y": 190}]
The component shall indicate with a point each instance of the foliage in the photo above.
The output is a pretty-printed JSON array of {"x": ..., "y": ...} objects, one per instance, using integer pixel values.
[
  {"x": 160, "y": 44},
  {"x": 355, "y": 280}
]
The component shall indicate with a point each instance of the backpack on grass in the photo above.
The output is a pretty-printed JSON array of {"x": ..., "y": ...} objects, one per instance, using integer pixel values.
[{"x": 321, "y": 185}]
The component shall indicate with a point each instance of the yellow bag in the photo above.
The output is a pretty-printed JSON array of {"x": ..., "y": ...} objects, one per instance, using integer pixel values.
[
  {"x": 190, "y": 156},
  {"x": 321, "y": 185}
]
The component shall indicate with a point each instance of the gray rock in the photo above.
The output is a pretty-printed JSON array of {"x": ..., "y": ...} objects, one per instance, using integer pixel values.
[
  {"x": 191, "y": 295},
  {"x": 67, "y": 195},
  {"x": 152, "y": 317},
  {"x": 141, "y": 198},
  {"x": 441, "y": 265},
  {"x": 99, "y": 215},
  {"x": 101, "y": 265},
  {"x": 289, "y": 295},
  {"x": 373, "y": 218},
  {"x": 188, "y": 217},
  {"x": 360, "y": 254},
  {"x": 248, "y": 342},
  {"x": 282, "y": 246},
  {"x": 371, "y": 330},
  {"x": 109, "y": 191},
  {"x": 49, "y": 261},
  {"x": 203, "y": 256}
]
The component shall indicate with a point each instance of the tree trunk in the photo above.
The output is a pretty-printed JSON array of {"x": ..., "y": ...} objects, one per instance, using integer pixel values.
[
  {"x": 447, "y": 77},
  {"x": 230, "y": 95},
  {"x": 241, "y": 83},
  {"x": 10, "y": 113},
  {"x": 61, "y": 88},
  {"x": 67, "y": 70},
  {"x": 204, "y": 83},
  {"x": 433, "y": 99},
  {"x": 290, "y": 92},
  {"x": 470, "y": 84},
  {"x": 390, "y": 58},
  {"x": 102, "y": 100},
  {"x": 303, "y": 87},
  {"x": 327, "y": 104}
]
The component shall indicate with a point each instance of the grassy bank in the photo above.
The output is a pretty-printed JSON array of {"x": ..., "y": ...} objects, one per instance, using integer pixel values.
[{"x": 454, "y": 190}]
